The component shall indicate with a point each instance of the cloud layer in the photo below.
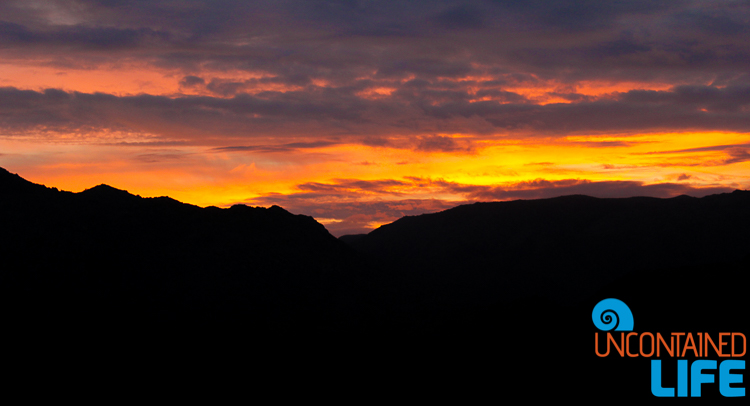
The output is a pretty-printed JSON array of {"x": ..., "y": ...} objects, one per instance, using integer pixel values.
[
  {"x": 387, "y": 69},
  {"x": 340, "y": 115},
  {"x": 362, "y": 110}
]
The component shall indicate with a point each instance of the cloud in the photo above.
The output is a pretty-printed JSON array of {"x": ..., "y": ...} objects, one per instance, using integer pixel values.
[
  {"x": 356, "y": 187},
  {"x": 191, "y": 81},
  {"x": 737, "y": 155},
  {"x": 460, "y": 17},
  {"x": 701, "y": 149},
  {"x": 342, "y": 41},
  {"x": 78, "y": 37},
  {"x": 733, "y": 153},
  {"x": 425, "y": 76},
  {"x": 438, "y": 143},
  {"x": 351, "y": 206},
  {"x": 325, "y": 112},
  {"x": 160, "y": 157},
  {"x": 585, "y": 15},
  {"x": 289, "y": 147}
]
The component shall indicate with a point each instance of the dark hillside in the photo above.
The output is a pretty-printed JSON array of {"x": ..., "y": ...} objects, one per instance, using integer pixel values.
[
  {"x": 564, "y": 247},
  {"x": 104, "y": 254},
  {"x": 489, "y": 299}
]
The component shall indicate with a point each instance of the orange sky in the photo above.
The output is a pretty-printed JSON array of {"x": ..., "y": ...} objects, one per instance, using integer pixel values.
[{"x": 361, "y": 130}]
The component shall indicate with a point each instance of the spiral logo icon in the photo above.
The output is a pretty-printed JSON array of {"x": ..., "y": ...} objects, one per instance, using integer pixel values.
[{"x": 612, "y": 314}]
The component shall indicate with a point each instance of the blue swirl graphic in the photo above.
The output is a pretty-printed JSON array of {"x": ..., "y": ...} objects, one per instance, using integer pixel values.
[{"x": 612, "y": 314}]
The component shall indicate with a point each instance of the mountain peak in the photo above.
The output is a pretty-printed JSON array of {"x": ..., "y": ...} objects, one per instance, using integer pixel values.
[
  {"x": 102, "y": 187},
  {"x": 107, "y": 191}
]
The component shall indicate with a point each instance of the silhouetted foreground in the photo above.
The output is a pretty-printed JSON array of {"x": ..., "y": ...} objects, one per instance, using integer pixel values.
[
  {"x": 106, "y": 255},
  {"x": 485, "y": 298},
  {"x": 563, "y": 248}
]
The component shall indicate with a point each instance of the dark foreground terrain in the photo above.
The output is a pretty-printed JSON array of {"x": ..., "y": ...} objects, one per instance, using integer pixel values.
[{"x": 490, "y": 299}]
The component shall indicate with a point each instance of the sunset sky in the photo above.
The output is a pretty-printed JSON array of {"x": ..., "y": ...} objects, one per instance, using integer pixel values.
[{"x": 360, "y": 112}]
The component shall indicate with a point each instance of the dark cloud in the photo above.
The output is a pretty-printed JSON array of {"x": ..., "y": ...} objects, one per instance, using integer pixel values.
[
  {"x": 733, "y": 153},
  {"x": 288, "y": 147},
  {"x": 424, "y": 67},
  {"x": 224, "y": 87},
  {"x": 736, "y": 155},
  {"x": 160, "y": 157},
  {"x": 722, "y": 21},
  {"x": 347, "y": 186},
  {"x": 729, "y": 99},
  {"x": 190, "y": 81},
  {"x": 15, "y": 33},
  {"x": 618, "y": 48},
  {"x": 325, "y": 112},
  {"x": 437, "y": 143},
  {"x": 300, "y": 41},
  {"x": 579, "y": 15},
  {"x": 448, "y": 67},
  {"x": 460, "y": 17},
  {"x": 701, "y": 149},
  {"x": 102, "y": 38},
  {"x": 190, "y": 116}
]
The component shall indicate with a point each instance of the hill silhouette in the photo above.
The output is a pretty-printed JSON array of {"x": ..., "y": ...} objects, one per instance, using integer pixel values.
[
  {"x": 105, "y": 254},
  {"x": 513, "y": 283},
  {"x": 443, "y": 300},
  {"x": 565, "y": 247}
]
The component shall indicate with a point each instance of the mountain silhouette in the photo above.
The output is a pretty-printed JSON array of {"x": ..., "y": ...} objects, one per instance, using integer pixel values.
[
  {"x": 513, "y": 283},
  {"x": 565, "y": 247},
  {"x": 468, "y": 297},
  {"x": 105, "y": 254}
]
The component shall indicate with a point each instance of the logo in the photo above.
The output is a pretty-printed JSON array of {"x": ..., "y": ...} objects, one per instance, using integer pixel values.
[
  {"x": 612, "y": 310},
  {"x": 614, "y": 315}
]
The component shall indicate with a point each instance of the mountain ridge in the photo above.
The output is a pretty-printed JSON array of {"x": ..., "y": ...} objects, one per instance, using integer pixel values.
[
  {"x": 156, "y": 258},
  {"x": 439, "y": 297},
  {"x": 565, "y": 242}
]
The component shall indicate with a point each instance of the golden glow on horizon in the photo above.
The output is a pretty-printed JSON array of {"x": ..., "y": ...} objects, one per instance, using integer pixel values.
[{"x": 201, "y": 176}]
